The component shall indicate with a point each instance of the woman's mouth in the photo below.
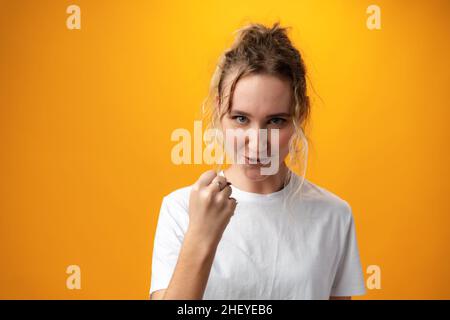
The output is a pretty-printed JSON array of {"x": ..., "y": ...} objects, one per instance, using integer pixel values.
[{"x": 257, "y": 161}]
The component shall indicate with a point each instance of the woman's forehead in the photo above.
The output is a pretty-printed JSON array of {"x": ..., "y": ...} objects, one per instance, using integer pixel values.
[{"x": 262, "y": 94}]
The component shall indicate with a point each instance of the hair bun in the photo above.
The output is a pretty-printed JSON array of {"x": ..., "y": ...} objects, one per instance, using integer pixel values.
[{"x": 256, "y": 34}]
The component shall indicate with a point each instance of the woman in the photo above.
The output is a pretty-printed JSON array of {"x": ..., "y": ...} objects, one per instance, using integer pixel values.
[{"x": 256, "y": 244}]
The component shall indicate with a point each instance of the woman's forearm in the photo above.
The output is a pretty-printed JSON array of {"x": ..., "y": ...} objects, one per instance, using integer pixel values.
[{"x": 192, "y": 270}]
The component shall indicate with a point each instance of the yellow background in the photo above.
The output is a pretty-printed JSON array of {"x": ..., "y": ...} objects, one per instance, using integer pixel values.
[{"x": 86, "y": 117}]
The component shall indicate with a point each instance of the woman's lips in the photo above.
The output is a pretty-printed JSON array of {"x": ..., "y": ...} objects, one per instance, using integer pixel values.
[{"x": 258, "y": 161}]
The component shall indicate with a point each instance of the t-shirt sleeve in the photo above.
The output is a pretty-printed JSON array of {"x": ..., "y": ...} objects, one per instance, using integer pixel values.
[
  {"x": 168, "y": 239},
  {"x": 349, "y": 280}
]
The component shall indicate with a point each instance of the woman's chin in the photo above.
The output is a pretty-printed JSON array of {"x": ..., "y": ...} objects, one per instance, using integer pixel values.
[{"x": 254, "y": 172}]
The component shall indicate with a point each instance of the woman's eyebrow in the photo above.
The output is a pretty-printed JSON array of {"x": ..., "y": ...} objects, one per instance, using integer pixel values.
[
  {"x": 240, "y": 113},
  {"x": 281, "y": 114}
]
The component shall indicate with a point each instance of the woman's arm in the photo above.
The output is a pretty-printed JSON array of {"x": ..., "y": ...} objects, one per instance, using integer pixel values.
[
  {"x": 210, "y": 211},
  {"x": 191, "y": 271}
]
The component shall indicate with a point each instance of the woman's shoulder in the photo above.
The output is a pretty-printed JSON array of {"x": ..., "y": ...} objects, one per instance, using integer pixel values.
[
  {"x": 178, "y": 197},
  {"x": 325, "y": 200}
]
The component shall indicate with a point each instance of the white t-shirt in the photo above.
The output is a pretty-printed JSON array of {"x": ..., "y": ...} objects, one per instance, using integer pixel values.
[{"x": 308, "y": 251}]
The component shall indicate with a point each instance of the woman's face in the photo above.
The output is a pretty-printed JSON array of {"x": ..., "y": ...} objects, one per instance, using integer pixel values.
[{"x": 260, "y": 101}]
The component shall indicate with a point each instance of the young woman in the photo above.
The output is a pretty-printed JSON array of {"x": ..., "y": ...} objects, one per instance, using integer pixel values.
[{"x": 233, "y": 234}]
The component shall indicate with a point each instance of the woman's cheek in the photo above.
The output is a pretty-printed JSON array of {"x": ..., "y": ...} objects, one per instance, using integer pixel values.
[{"x": 283, "y": 142}]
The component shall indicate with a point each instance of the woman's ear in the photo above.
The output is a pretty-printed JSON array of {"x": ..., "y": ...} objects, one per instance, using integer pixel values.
[{"x": 217, "y": 101}]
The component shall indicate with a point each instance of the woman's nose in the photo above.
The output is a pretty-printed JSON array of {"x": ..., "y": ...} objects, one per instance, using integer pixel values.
[{"x": 258, "y": 139}]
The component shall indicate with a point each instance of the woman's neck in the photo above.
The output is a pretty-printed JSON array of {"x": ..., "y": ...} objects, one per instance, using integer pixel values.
[{"x": 273, "y": 183}]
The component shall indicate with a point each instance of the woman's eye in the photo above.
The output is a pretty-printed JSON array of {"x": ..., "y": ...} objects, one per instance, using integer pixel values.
[
  {"x": 277, "y": 121},
  {"x": 240, "y": 119}
]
